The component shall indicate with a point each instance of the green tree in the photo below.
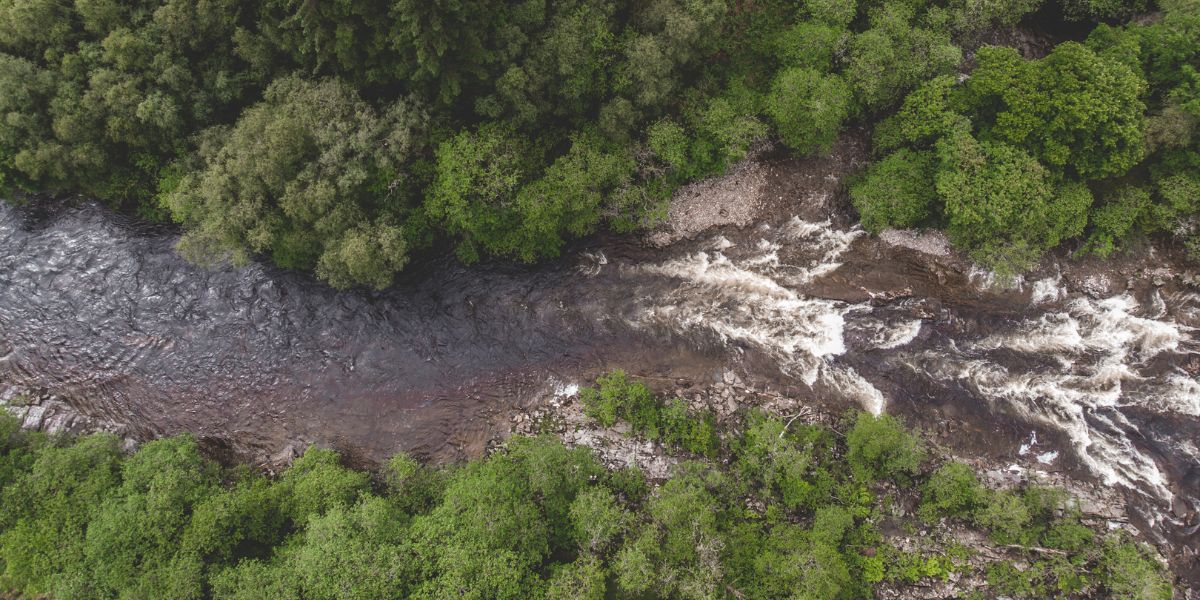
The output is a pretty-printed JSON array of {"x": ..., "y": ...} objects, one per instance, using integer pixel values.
[
  {"x": 1072, "y": 109},
  {"x": 46, "y": 511},
  {"x": 808, "y": 108},
  {"x": 952, "y": 491},
  {"x": 878, "y": 447},
  {"x": 835, "y": 12},
  {"x": 1082, "y": 10},
  {"x": 478, "y": 175},
  {"x": 131, "y": 544},
  {"x": 352, "y": 552},
  {"x": 893, "y": 56},
  {"x": 1003, "y": 205},
  {"x": 1114, "y": 220},
  {"x": 1128, "y": 571},
  {"x": 312, "y": 175},
  {"x": 978, "y": 15},
  {"x": 597, "y": 520},
  {"x": 897, "y": 191},
  {"x": 811, "y": 45},
  {"x": 926, "y": 115},
  {"x": 677, "y": 551},
  {"x": 583, "y": 579}
]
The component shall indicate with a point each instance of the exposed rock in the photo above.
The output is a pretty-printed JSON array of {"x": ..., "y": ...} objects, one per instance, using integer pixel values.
[
  {"x": 731, "y": 199},
  {"x": 929, "y": 241}
]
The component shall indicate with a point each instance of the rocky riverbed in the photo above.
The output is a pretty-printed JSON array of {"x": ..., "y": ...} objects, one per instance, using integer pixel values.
[{"x": 781, "y": 302}]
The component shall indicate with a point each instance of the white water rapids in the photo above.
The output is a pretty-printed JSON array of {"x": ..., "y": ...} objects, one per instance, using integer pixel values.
[{"x": 1072, "y": 367}]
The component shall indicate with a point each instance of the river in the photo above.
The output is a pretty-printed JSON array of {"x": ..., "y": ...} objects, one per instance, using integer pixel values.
[{"x": 1082, "y": 367}]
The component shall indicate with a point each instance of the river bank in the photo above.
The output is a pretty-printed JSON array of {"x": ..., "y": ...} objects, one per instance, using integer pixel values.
[{"x": 1096, "y": 359}]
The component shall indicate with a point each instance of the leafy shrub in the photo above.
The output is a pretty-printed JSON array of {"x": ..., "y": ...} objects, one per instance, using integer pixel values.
[
  {"x": 808, "y": 108},
  {"x": 1114, "y": 220},
  {"x": 1003, "y": 205},
  {"x": 953, "y": 491},
  {"x": 897, "y": 191},
  {"x": 616, "y": 397},
  {"x": 1006, "y": 516},
  {"x": 1129, "y": 571},
  {"x": 879, "y": 447},
  {"x": 783, "y": 461},
  {"x": 1072, "y": 109},
  {"x": 810, "y": 45}
]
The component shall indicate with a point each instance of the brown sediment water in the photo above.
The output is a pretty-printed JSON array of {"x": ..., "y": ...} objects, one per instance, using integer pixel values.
[{"x": 1098, "y": 361}]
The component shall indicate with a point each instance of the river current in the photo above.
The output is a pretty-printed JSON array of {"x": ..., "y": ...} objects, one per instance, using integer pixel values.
[{"x": 1068, "y": 369}]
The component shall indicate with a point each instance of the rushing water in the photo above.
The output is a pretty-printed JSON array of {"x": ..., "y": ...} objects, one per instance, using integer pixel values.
[{"x": 256, "y": 360}]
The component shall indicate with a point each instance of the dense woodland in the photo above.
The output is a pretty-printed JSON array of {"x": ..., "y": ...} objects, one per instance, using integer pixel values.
[
  {"x": 792, "y": 511},
  {"x": 346, "y": 136}
]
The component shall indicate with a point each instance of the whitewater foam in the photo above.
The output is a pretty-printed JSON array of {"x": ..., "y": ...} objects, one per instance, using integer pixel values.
[{"x": 752, "y": 300}]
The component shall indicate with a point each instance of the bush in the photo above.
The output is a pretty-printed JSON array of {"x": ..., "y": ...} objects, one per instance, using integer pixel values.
[
  {"x": 598, "y": 520},
  {"x": 952, "y": 491},
  {"x": 834, "y": 12},
  {"x": 1128, "y": 571},
  {"x": 783, "y": 461},
  {"x": 673, "y": 424},
  {"x": 808, "y": 108},
  {"x": 295, "y": 205},
  {"x": 1072, "y": 109},
  {"x": 1002, "y": 205},
  {"x": 895, "y": 55},
  {"x": 810, "y": 45},
  {"x": 897, "y": 191},
  {"x": 1086, "y": 10},
  {"x": 695, "y": 433},
  {"x": 927, "y": 114},
  {"x": 1006, "y": 516},
  {"x": 618, "y": 397},
  {"x": 1114, "y": 220},
  {"x": 879, "y": 447}
]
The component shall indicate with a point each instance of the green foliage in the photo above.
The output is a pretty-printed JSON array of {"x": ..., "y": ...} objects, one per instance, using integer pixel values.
[
  {"x": 1072, "y": 109},
  {"x": 808, "y": 108},
  {"x": 669, "y": 143},
  {"x": 1006, "y": 516},
  {"x": 46, "y": 510},
  {"x": 81, "y": 519},
  {"x": 834, "y": 12},
  {"x": 879, "y": 447},
  {"x": 1081, "y": 10},
  {"x": 597, "y": 519},
  {"x": 897, "y": 191},
  {"x": 926, "y": 115},
  {"x": 616, "y": 397},
  {"x": 978, "y": 15},
  {"x": 1130, "y": 571},
  {"x": 810, "y": 45},
  {"x": 1003, "y": 205},
  {"x": 785, "y": 460},
  {"x": 952, "y": 490},
  {"x": 895, "y": 55},
  {"x": 343, "y": 137},
  {"x": 298, "y": 177},
  {"x": 477, "y": 174},
  {"x": 1018, "y": 139},
  {"x": 584, "y": 579},
  {"x": 677, "y": 550},
  {"x": 1114, "y": 220}
]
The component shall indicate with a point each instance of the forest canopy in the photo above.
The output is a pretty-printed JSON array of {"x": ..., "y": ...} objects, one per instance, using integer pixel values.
[
  {"x": 767, "y": 509},
  {"x": 344, "y": 137}
]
